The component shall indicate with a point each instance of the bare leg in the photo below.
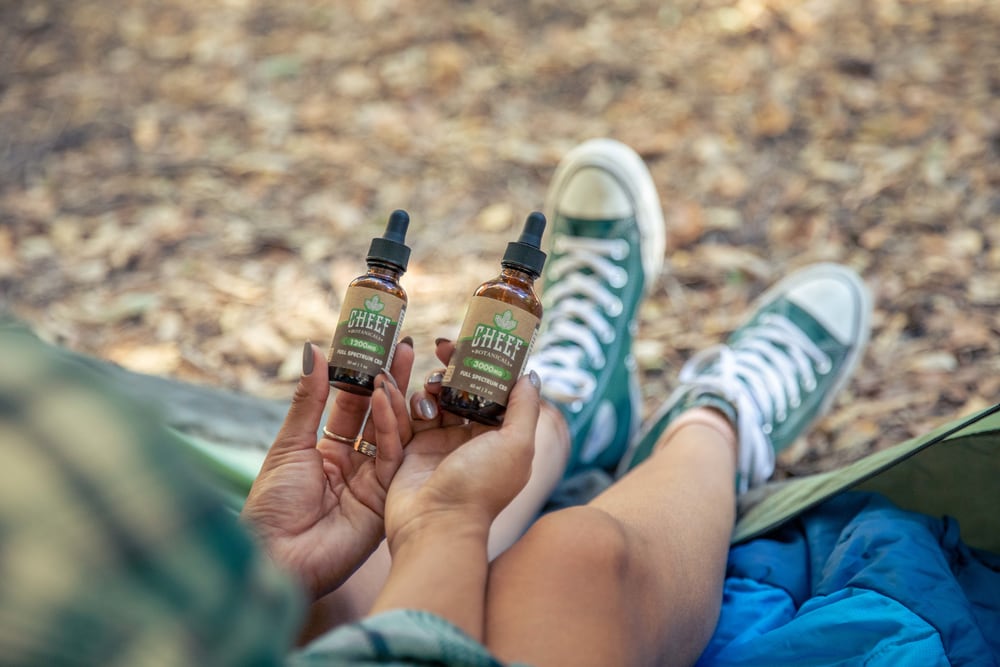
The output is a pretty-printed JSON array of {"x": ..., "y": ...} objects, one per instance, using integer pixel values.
[
  {"x": 635, "y": 577},
  {"x": 352, "y": 600},
  {"x": 355, "y": 597},
  {"x": 547, "y": 468}
]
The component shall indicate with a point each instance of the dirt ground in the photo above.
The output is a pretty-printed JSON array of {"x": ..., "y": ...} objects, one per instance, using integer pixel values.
[{"x": 187, "y": 187}]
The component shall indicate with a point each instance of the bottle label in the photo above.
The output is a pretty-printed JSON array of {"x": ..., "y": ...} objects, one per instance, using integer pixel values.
[
  {"x": 492, "y": 348},
  {"x": 365, "y": 339}
]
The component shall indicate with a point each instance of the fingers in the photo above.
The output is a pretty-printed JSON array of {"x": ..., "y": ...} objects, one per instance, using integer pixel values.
[
  {"x": 424, "y": 404},
  {"x": 433, "y": 385},
  {"x": 521, "y": 418},
  {"x": 387, "y": 426},
  {"x": 433, "y": 382},
  {"x": 524, "y": 404},
  {"x": 402, "y": 363},
  {"x": 423, "y": 407},
  {"x": 443, "y": 349},
  {"x": 516, "y": 437},
  {"x": 397, "y": 403},
  {"x": 348, "y": 411},
  {"x": 308, "y": 403}
]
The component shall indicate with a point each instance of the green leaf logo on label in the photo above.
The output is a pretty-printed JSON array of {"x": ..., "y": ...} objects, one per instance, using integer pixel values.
[
  {"x": 374, "y": 304},
  {"x": 505, "y": 321}
]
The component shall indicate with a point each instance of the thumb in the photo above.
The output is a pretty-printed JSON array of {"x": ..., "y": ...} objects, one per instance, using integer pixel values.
[
  {"x": 523, "y": 408},
  {"x": 521, "y": 420},
  {"x": 308, "y": 403}
]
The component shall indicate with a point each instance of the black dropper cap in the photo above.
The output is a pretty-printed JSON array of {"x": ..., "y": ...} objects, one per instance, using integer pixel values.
[
  {"x": 524, "y": 253},
  {"x": 389, "y": 248}
]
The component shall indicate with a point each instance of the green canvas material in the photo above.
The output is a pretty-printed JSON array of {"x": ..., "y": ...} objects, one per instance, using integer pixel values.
[
  {"x": 233, "y": 469},
  {"x": 954, "y": 470},
  {"x": 616, "y": 380},
  {"x": 814, "y": 402},
  {"x": 651, "y": 433}
]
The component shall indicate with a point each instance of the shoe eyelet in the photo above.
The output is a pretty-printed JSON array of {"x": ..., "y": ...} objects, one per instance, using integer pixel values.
[
  {"x": 608, "y": 338},
  {"x": 824, "y": 367},
  {"x": 809, "y": 385},
  {"x": 794, "y": 403},
  {"x": 781, "y": 416},
  {"x": 619, "y": 252},
  {"x": 766, "y": 428},
  {"x": 615, "y": 309}
]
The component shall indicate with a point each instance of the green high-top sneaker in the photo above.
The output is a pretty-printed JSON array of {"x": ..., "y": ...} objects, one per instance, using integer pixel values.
[
  {"x": 778, "y": 373},
  {"x": 606, "y": 245}
]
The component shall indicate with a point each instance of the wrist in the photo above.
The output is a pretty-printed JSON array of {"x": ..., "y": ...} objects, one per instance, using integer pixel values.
[
  {"x": 439, "y": 527},
  {"x": 440, "y": 565}
]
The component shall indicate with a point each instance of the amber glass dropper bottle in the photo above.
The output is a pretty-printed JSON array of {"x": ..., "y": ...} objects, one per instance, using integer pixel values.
[
  {"x": 372, "y": 314},
  {"x": 498, "y": 332}
]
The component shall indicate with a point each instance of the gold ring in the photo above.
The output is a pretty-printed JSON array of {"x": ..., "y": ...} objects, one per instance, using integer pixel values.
[
  {"x": 339, "y": 438},
  {"x": 365, "y": 447}
]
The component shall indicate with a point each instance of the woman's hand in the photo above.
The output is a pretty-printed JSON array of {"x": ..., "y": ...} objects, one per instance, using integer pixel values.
[
  {"x": 319, "y": 508},
  {"x": 458, "y": 471},
  {"x": 454, "y": 480}
]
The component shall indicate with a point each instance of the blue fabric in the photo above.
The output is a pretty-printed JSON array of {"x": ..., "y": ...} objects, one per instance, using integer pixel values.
[{"x": 859, "y": 581}]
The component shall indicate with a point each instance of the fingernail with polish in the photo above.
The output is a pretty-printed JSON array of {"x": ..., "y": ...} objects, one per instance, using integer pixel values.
[
  {"x": 307, "y": 358},
  {"x": 535, "y": 381},
  {"x": 407, "y": 340},
  {"x": 427, "y": 408},
  {"x": 392, "y": 380},
  {"x": 435, "y": 378},
  {"x": 438, "y": 341}
]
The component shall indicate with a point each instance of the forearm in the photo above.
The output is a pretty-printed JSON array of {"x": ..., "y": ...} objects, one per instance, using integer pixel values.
[{"x": 442, "y": 570}]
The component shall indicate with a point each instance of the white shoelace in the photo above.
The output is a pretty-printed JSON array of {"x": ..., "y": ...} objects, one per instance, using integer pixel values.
[
  {"x": 578, "y": 306},
  {"x": 761, "y": 378}
]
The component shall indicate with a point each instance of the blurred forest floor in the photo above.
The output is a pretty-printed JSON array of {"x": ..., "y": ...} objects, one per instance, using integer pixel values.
[{"x": 187, "y": 187}]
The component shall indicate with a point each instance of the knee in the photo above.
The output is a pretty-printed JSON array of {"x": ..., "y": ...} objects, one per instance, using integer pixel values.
[{"x": 583, "y": 536}]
